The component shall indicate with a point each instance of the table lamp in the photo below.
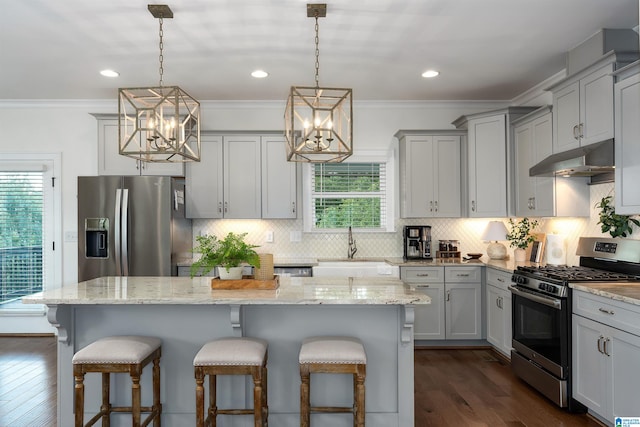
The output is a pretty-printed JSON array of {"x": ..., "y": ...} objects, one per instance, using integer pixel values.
[{"x": 495, "y": 231}]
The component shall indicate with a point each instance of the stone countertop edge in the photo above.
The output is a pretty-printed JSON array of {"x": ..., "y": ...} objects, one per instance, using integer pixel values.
[
  {"x": 625, "y": 292},
  {"x": 184, "y": 290}
]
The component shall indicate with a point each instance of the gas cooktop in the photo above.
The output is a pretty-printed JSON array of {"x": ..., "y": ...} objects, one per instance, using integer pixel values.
[{"x": 575, "y": 274}]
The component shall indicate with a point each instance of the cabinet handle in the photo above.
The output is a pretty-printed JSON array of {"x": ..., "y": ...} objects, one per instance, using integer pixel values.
[
  {"x": 499, "y": 302},
  {"x": 533, "y": 203},
  {"x": 500, "y": 279},
  {"x": 576, "y": 135},
  {"x": 599, "y": 344},
  {"x": 473, "y": 206},
  {"x": 463, "y": 275},
  {"x": 219, "y": 207},
  {"x": 293, "y": 207},
  {"x": 448, "y": 295},
  {"x": 138, "y": 164},
  {"x": 226, "y": 207},
  {"x": 422, "y": 275},
  {"x": 431, "y": 206},
  {"x": 581, "y": 130},
  {"x": 606, "y": 341},
  {"x": 436, "y": 204},
  {"x": 604, "y": 310}
]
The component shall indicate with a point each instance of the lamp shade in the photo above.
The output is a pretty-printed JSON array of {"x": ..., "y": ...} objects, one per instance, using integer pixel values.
[{"x": 495, "y": 231}]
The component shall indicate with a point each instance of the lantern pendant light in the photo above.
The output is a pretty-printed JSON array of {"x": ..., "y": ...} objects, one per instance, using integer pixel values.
[
  {"x": 159, "y": 124},
  {"x": 318, "y": 120}
]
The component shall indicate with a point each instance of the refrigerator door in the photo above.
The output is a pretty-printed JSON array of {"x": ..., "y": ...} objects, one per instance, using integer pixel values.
[
  {"x": 97, "y": 226},
  {"x": 146, "y": 232}
]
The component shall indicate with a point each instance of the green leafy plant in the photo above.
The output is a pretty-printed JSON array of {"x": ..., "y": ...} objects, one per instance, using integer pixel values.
[
  {"x": 612, "y": 223},
  {"x": 520, "y": 234},
  {"x": 228, "y": 252}
]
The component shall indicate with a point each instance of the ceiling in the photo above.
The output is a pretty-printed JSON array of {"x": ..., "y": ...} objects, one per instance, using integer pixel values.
[{"x": 485, "y": 50}]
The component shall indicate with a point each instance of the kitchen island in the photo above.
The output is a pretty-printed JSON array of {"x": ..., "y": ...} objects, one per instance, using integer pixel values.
[{"x": 185, "y": 313}]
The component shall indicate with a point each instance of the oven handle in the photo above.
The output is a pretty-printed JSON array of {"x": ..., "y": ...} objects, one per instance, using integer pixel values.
[{"x": 551, "y": 302}]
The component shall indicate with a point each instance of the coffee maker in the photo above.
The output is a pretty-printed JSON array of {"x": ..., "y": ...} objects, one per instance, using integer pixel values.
[{"x": 417, "y": 241}]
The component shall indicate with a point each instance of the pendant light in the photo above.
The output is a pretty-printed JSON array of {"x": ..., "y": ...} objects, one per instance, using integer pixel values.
[
  {"x": 318, "y": 120},
  {"x": 159, "y": 124}
]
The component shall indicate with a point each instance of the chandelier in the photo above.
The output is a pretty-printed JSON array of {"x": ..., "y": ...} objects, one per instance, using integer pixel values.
[
  {"x": 159, "y": 124},
  {"x": 318, "y": 120}
]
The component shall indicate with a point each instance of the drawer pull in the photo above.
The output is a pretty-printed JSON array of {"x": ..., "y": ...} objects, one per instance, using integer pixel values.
[
  {"x": 463, "y": 274},
  {"x": 422, "y": 275},
  {"x": 604, "y": 310},
  {"x": 500, "y": 280}
]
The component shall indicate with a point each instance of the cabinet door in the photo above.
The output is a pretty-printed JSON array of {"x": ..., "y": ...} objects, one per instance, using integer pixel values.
[
  {"x": 110, "y": 162},
  {"x": 446, "y": 169},
  {"x": 596, "y": 106},
  {"x": 523, "y": 138},
  {"x": 495, "y": 321},
  {"x": 487, "y": 167},
  {"x": 541, "y": 148},
  {"x": 627, "y": 146},
  {"x": 566, "y": 118},
  {"x": 506, "y": 304},
  {"x": 417, "y": 183},
  {"x": 279, "y": 185},
  {"x": 429, "y": 320},
  {"x": 204, "y": 189},
  {"x": 623, "y": 353},
  {"x": 463, "y": 311},
  {"x": 242, "y": 190},
  {"x": 589, "y": 368}
]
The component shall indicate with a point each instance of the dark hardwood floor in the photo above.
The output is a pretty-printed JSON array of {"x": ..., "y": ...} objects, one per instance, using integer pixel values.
[{"x": 452, "y": 388}]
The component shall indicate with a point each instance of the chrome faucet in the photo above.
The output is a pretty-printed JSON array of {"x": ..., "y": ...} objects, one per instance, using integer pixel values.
[{"x": 352, "y": 245}]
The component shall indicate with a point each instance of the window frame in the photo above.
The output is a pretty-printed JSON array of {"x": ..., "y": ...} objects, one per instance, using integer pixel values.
[{"x": 386, "y": 157}]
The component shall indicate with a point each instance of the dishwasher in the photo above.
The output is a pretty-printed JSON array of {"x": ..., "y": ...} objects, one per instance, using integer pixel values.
[{"x": 293, "y": 271}]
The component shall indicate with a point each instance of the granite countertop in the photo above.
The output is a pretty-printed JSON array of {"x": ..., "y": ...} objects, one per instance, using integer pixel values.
[
  {"x": 626, "y": 292},
  {"x": 183, "y": 290}
]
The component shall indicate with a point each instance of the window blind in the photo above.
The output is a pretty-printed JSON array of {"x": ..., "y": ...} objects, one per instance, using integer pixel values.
[
  {"x": 349, "y": 194},
  {"x": 21, "y": 234}
]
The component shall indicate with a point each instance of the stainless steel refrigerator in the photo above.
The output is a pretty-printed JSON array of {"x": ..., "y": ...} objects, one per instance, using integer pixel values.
[{"x": 131, "y": 226}]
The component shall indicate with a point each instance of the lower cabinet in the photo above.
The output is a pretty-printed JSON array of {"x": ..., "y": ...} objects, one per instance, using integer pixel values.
[
  {"x": 605, "y": 358},
  {"x": 455, "y": 312},
  {"x": 498, "y": 309}
]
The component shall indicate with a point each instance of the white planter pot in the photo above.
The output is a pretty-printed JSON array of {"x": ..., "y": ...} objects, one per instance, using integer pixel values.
[
  {"x": 519, "y": 255},
  {"x": 234, "y": 273}
]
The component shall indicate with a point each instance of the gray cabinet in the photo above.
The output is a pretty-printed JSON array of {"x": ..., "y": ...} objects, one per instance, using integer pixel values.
[
  {"x": 498, "y": 310},
  {"x": 606, "y": 351},
  {"x": 543, "y": 196},
  {"x": 430, "y": 183},
  {"x": 455, "y": 312},
  {"x": 627, "y": 145},
  {"x": 490, "y": 161},
  {"x": 110, "y": 162},
  {"x": 241, "y": 176}
]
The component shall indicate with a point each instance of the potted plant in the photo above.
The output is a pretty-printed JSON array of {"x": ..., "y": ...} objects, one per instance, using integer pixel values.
[
  {"x": 520, "y": 236},
  {"x": 616, "y": 225},
  {"x": 227, "y": 254}
]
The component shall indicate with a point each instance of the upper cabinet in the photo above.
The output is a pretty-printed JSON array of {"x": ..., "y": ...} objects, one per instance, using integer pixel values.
[
  {"x": 627, "y": 142},
  {"x": 241, "y": 176},
  {"x": 110, "y": 162},
  {"x": 543, "y": 196},
  {"x": 583, "y": 107},
  {"x": 489, "y": 161},
  {"x": 430, "y": 183}
]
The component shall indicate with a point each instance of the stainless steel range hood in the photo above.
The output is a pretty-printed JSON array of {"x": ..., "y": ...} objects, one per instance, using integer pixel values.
[{"x": 595, "y": 160}]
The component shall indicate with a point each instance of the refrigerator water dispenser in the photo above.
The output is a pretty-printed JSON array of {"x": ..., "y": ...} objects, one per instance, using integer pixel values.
[{"x": 97, "y": 237}]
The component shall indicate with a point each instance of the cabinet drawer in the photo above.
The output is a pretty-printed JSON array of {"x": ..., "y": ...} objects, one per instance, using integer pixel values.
[
  {"x": 498, "y": 278},
  {"x": 617, "y": 314},
  {"x": 463, "y": 274},
  {"x": 422, "y": 274}
]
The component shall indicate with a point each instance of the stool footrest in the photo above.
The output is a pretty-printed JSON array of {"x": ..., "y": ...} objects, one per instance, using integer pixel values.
[
  {"x": 330, "y": 409},
  {"x": 235, "y": 411}
]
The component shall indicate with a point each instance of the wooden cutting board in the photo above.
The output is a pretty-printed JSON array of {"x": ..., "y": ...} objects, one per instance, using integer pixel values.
[{"x": 274, "y": 283}]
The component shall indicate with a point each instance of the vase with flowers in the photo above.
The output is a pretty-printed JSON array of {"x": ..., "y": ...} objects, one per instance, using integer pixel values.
[{"x": 520, "y": 237}]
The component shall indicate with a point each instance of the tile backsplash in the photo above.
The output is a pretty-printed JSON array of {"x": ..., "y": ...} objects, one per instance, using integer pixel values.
[{"x": 334, "y": 245}]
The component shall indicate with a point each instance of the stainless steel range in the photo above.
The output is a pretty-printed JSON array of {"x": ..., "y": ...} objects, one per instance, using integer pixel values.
[{"x": 541, "y": 305}]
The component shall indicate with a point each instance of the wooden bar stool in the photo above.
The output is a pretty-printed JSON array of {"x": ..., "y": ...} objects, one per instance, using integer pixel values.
[
  {"x": 119, "y": 354},
  {"x": 332, "y": 355},
  {"x": 232, "y": 356}
]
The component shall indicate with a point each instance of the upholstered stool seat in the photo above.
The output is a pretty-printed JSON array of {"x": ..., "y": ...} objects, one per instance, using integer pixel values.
[
  {"x": 119, "y": 354},
  {"x": 232, "y": 356},
  {"x": 332, "y": 355}
]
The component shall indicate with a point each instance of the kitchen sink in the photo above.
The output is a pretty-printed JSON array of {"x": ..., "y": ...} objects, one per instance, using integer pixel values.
[{"x": 359, "y": 267}]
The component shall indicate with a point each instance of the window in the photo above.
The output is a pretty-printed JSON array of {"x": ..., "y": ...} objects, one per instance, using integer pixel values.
[{"x": 354, "y": 193}]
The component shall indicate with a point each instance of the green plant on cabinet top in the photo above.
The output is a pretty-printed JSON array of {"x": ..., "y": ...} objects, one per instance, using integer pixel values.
[{"x": 228, "y": 252}]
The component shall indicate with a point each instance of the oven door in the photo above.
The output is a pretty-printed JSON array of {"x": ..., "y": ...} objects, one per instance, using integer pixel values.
[{"x": 541, "y": 330}]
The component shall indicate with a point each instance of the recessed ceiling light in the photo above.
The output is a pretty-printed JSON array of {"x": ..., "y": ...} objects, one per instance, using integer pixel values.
[
  {"x": 109, "y": 73},
  {"x": 430, "y": 73},
  {"x": 259, "y": 74}
]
